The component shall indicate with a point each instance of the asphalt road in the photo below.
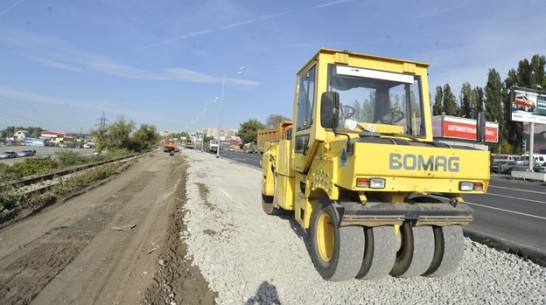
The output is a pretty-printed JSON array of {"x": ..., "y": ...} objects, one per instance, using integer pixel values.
[
  {"x": 511, "y": 216},
  {"x": 512, "y": 213}
]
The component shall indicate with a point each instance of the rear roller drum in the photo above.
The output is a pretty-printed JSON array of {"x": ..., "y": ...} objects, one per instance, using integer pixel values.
[
  {"x": 337, "y": 251},
  {"x": 415, "y": 251},
  {"x": 449, "y": 250},
  {"x": 269, "y": 202},
  {"x": 269, "y": 208},
  {"x": 379, "y": 253}
]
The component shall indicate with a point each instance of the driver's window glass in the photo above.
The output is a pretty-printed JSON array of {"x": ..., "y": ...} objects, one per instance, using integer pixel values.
[
  {"x": 389, "y": 99},
  {"x": 306, "y": 99}
]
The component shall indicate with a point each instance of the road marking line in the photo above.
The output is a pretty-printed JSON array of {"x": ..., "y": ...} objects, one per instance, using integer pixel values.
[
  {"x": 514, "y": 189},
  {"x": 227, "y": 195},
  {"x": 518, "y": 198},
  {"x": 508, "y": 211}
]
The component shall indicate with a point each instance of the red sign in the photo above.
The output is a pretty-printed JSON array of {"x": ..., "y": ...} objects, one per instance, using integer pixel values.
[{"x": 467, "y": 131}]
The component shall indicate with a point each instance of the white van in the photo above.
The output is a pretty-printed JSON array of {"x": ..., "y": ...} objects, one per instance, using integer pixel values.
[{"x": 538, "y": 159}]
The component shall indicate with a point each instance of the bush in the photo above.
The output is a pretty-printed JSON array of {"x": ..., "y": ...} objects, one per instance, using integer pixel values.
[
  {"x": 10, "y": 197},
  {"x": 33, "y": 166},
  {"x": 71, "y": 158}
]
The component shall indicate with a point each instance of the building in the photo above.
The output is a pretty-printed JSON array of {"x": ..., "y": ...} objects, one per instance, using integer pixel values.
[
  {"x": 213, "y": 132},
  {"x": 20, "y": 135}
]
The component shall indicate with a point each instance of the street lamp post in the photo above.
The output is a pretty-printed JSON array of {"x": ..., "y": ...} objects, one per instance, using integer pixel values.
[
  {"x": 221, "y": 109},
  {"x": 205, "y": 123}
]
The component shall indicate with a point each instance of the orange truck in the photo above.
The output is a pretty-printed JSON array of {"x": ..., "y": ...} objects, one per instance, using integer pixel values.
[
  {"x": 169, "y": 144},
  {"x": 272, "y": 134}
]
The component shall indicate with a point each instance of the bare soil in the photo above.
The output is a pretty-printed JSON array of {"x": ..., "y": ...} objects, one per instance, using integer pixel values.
[{"x": 111, "y": 243}]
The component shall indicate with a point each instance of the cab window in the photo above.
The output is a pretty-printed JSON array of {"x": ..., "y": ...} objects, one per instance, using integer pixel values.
[{"x": 306, "y": 99}]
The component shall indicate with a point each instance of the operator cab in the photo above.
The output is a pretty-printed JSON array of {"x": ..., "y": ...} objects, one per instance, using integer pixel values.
[{"x": 381, "y": 102}]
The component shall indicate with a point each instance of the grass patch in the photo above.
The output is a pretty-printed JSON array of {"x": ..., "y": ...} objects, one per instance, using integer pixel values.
[{"x": 11, "y": 196}]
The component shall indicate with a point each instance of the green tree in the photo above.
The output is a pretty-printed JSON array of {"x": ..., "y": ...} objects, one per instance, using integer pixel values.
[
  {"x": 514, "y": 130},
  {"x": 450, "y": 103},
  {"x": 119, "y": 133},
  {"x": 249, "y": 130},
  {"x": 120, "y": 136},
  {"x": 493, "y": 104},
  {"x": 538, "y": 79},
  {"x": 468, "y": 100},
  {"x": 273, "y": 120},
  {"x": 145, "y": 138},
  {"x": 438, "y": 107},
  {"x": 478, "y": 93}
]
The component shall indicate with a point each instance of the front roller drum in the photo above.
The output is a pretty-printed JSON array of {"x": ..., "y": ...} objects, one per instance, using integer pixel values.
[{"x": 337, "y": 251}]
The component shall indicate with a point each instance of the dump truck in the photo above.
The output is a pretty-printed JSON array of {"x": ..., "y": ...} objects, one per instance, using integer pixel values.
[
  {"x": 169, "y": 145},
  {"x": 272, "y": 134},
  {"x": 360, "y": 171}
]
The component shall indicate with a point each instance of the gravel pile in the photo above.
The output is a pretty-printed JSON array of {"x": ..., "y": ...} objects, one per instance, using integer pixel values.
[{"x": 252, "y": 258}]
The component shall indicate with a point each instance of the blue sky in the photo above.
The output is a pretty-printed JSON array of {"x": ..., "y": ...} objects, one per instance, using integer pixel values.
[{"x": 64, "y": 62}]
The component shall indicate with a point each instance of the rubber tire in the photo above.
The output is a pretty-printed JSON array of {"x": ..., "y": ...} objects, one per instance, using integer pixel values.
[
  {"x": 345, "y": 258},
  {"x": 416, "y": 251},
  {"x": 379, "y": 253},
  {"x": 448, "y": 252}
]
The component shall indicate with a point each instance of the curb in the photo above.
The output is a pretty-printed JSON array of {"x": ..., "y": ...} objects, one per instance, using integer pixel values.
[{"x": 535, "y": 255}]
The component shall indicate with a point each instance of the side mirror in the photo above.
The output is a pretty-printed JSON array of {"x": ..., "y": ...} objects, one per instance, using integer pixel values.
[
  {"x": 329, "y": 110},
  {"x": 480, "y": 127}
]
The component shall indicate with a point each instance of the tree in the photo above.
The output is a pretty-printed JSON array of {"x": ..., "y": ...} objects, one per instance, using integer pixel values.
[
  {"x": 249, "y": 130},
  {"x": 478, "y": 93},
  {"x": 145, "y": 138},
  {"x": 538, "y": 79},
  {"x": 493, "y": 107},
  {"x": 119, "y": 133},
  {"x": 273, "y": 120},
  {"x": 450, "y": 103},
  {"x": 467, "y": 99},
  {"x": 514, "y": 130},
  {"x": 438, "y": 108},
  {"x": 120, "y": 136}
]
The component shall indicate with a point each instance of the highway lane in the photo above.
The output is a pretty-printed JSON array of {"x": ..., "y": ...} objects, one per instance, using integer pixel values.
[
  {"x": 511, "y": 210},
  {"x": 511, "y": 216}
]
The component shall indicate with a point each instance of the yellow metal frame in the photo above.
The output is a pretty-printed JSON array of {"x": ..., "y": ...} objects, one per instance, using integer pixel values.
[{"x": 301, "y": 179}]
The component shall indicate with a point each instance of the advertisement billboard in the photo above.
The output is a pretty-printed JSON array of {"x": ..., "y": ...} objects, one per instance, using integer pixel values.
[
  {"x": 461, "y": 128},
  {"x": 528, "y": 105}
]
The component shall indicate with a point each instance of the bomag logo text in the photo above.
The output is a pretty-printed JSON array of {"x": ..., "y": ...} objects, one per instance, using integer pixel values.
[{"x": 420, "y": 162}]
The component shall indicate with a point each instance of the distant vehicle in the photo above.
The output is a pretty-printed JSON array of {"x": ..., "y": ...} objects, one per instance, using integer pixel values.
[
  {"x": 231, "y": 149},
  {"x": 8, "y": 154},
  {"x": 26, "y": 153},
  {"x": 213, "y": 146},
  {"x": 169, "y": 145},
  {"x": 503, "y": 167},
  {"x": 88, "y": 145},
  {"x": 523, "y": 102}
]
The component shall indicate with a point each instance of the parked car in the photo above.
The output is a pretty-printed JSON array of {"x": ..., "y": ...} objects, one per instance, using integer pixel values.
[
  {"x": 26, "y": 153},
  {"x": 523, "y": 102},
  {"x": 8, "y": 154},
  {"x": 504, "y": 167}
]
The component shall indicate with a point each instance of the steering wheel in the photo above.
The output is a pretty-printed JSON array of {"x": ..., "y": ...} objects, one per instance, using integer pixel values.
[
  {"x": 392, "y": 117},
  {"x": 347, "y": 111}
]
